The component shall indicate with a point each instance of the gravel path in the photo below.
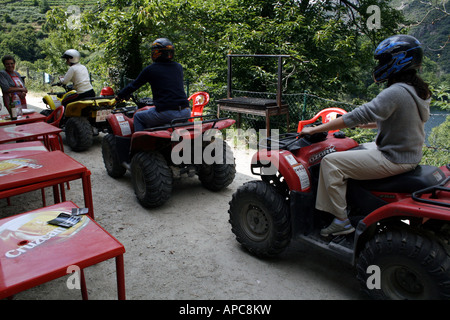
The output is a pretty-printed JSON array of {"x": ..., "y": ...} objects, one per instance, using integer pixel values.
[{"x": 185, "y": 249}]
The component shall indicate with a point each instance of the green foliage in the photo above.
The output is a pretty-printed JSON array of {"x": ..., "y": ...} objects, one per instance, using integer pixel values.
[
  {"x": 440, "y": 136},
  {"x": 330, "y": 54},
  {"x": 23, "y": 41},
  {"x": 435, "y": 157},
  {"x": 8, "y": 19},
  {"x": 438, "y": 154},
  {"x": 361, "y": 135},
  {"x": 430, "y": 21},
  {"x": 330, "y": 41},
  {"x": 44, "y": 6}
]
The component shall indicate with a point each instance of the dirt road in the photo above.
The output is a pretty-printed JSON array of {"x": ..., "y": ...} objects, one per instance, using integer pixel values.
[{"x": 185, "y": 249}]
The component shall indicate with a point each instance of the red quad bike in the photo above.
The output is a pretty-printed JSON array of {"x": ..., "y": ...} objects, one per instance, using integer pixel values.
[
  {"x": 157, "y": 156},
  {"x": 401, "y": 244}
]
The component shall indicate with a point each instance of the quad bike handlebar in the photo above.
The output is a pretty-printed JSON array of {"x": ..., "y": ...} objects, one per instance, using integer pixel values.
[
  {"x": 67, "y": 87},
  {"x": 139, "y": 102},
  {"x": 327, "y": 115}
]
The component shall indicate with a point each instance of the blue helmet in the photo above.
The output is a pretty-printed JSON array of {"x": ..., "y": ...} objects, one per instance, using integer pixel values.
[{"x": 395, "y": 54}]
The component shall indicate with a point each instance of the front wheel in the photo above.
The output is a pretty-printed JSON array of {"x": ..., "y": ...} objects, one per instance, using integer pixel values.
[
  {"x": 219, "y": 169},
  {"x": 411, "y": 267},
  {"x": 259, "y": 218},
  {"x": 152, "y": 179},
  {"x": 111, "y": 157}
]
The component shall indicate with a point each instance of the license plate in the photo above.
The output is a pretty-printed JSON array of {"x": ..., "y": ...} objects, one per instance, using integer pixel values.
[{"x": 101, "y": 115}]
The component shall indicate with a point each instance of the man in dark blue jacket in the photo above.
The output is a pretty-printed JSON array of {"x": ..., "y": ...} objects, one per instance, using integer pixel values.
[{"x": 166, "y": 80}]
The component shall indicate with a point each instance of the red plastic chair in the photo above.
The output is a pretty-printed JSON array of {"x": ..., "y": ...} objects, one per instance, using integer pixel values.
[
  {"x": 54, "y": 119},
  {"x": 326, "y": 114},
  {"x": 55, "y": 140},
  {"x": 199, "y": 100}
]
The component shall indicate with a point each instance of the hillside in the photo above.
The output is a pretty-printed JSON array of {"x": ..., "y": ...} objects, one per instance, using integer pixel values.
[
  {"x": 19, "y": 16},
  {"x": 433, "y": 30},
  {"x": 32, "y": 12}
]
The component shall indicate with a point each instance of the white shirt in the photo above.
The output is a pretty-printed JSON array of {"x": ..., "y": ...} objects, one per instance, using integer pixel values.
[{"x": 79, "y": 76}]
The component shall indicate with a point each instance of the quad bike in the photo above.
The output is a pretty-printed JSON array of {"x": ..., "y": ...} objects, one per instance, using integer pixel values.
[
  {"x": 401, "y": 244},
  {"x": 152, "y": 155},
  {"x": 83, "y": 119}
]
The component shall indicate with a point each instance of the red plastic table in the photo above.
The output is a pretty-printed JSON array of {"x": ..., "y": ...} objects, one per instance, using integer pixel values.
[
  {"x": 33, "y": 252},
  {"x": 16, "y": 150},
  {"x": 30, "y": 131},
  {"x": 26, "y": 118},
  {"x": 41, "y": 170}
]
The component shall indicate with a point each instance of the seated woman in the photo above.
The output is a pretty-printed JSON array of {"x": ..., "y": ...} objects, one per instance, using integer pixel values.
[{"x": 11, "y": 82}]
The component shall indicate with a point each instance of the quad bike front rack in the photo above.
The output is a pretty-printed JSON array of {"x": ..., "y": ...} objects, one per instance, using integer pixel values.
[
  {"x": 291, "y": 141},
  {"x": 183, "y": 122}
]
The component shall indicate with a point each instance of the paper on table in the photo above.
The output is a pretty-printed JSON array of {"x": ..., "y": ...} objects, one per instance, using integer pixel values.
[{"x": 65, "y": 220}]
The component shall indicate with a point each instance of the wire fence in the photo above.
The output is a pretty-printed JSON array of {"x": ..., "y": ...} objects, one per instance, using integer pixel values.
[
  {"x": 41, "y": 81},
  {"x": 301, "y": 105}
]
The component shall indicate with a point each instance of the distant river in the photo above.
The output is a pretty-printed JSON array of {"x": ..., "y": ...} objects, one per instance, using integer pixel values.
[{"x": 437, "y": 117}]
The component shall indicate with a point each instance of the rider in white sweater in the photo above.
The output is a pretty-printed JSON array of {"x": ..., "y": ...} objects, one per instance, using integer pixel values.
[{"x": 78, "y": 75}]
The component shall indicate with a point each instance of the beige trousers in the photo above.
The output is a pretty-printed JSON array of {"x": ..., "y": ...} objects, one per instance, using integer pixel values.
[{"x": 337, "y": 167}]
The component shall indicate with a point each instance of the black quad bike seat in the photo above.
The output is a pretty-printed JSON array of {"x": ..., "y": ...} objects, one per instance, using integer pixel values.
[{"x": 423, "y": 176}]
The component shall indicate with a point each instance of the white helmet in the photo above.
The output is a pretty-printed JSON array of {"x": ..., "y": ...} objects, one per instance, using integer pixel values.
[{"x": 73, "y": 56}]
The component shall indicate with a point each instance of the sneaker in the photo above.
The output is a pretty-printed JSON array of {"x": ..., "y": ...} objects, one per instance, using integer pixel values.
[{"x": 337, "y": 227}]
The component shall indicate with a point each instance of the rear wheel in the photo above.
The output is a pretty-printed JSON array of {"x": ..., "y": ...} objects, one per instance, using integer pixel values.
[
  {"x": 259, "y": 218},
  {"x": 412, "y": 267},
  {"x": 79, "y": 135},
  {"x": 152, "y": 179}
]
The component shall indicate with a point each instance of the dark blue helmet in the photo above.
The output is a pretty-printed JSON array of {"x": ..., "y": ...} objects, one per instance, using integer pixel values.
[
  {"x": 162, "y": 50},
  {"x": 395, "y": 54}
]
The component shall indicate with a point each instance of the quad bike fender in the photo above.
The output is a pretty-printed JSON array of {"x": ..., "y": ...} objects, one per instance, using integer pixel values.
[
  {"x": 198, "y": 128},
  {"x": 51, "y": 101},
  {"x": 190, "y": 131},
  {"x": 409, "y": 208},
  {"x": 293, "y": 171},
  {"x": 68, "y": 93},
  {"x": 164, "y": 134},
  {"x": 431, "y": 203},
  {"x": 74, "y": 109},
  {"x": 428, "y": 203},
  {"x": 120, "y": 124},
  {"x": 145, "y": 140},
  {"x": 222, "y": 124},
  {"x": 446, "y": 170}
]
